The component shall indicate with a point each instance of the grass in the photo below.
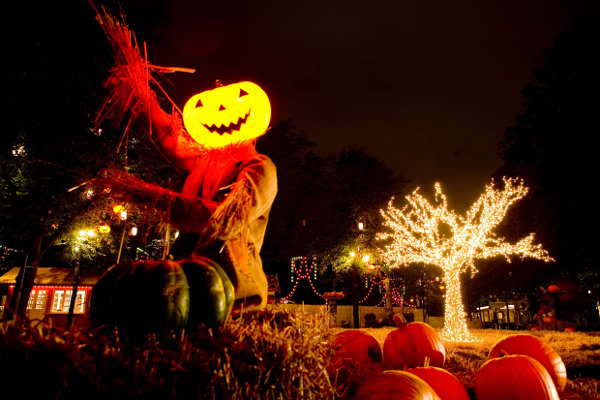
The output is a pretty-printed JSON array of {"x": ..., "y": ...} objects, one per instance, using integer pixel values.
[{"x": 580, "y": 352}]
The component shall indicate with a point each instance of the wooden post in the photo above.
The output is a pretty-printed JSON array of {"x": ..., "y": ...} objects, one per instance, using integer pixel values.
[{"x": 121, "y": 244}]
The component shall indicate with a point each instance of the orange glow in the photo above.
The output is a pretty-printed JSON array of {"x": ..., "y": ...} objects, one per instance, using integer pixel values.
[
  {"x": 228, "y": 114},
  {"x": 104, "y": 229}
]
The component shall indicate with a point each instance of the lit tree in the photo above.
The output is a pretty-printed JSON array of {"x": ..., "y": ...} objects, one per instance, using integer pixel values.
[{"x": 430, "y": 233}]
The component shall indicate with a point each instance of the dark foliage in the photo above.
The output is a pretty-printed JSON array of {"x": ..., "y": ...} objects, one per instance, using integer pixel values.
[{"x": 551, "y": 147}]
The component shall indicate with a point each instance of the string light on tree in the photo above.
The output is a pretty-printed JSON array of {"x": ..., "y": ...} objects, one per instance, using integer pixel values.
[{"x": 430, "y": 233}]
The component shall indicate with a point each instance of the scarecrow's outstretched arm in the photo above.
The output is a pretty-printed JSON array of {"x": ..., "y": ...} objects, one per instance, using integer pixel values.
[
  {"x": 171, "y": 138},
  {"x": 131, "y": 94}
]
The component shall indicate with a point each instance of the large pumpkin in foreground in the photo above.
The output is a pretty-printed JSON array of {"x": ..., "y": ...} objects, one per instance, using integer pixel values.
[
  {"x": 359, "y": 346},
  {"x": 446, "y": 385},
  {"x": 211, "y": 292},
  {"x": 159, "y": 296},
  {"x": 536, "y": 348},
  {"x": 410, "y": 345},
  {"x": 140, "y": 297},
  {"x": 396, "y": 385},
  {"x": 515, "y": 377}
]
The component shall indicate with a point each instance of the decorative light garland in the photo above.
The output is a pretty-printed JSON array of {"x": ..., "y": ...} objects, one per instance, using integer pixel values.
[
  {"x": 302, "y": 272},
  {"x": 396, "y": 297},
  {"x": 422, "y": 232},
  {"x": 374, "y": 284}
]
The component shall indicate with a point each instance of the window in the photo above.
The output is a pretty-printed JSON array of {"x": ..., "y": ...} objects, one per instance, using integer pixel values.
[
  {"x": 40, "y": 303},
  {"x": 58, "y": 300},
  {"x": 62, "y": 301},
  {"x": 31, "y": 301},
  {"x": 37, "y": 300}
]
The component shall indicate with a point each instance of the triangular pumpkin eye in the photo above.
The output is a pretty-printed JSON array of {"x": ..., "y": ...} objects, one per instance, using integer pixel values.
[
  {"x": 243, "y": 93},
  {"x": 199, "y": 103}
]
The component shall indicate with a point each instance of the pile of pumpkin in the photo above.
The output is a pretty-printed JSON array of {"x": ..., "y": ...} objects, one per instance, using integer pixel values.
[{"x": 519, "y": 367}]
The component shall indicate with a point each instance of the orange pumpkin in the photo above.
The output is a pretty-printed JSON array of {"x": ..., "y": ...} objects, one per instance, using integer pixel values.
[
  {"x": 410, "y": 345},
  {"x": 359, "y": 346},
  {"x": 227, "y": 115},
  {"x": 553, "y": 289},
  {"x": 536, "y": 348},
  {"x": 446, "y": 385},
  {"x": 396, "y": 385},
  {"x": 515, "y": 377}
]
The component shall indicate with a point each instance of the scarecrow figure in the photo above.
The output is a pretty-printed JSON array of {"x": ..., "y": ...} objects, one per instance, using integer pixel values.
[{"x": 221, "y": 211}]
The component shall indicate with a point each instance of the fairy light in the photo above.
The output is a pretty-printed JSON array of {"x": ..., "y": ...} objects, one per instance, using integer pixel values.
[
  {"x": 430, "y": 233},
  {"x": 301, "y": 271},
  {"x": 397, "y": 297},
  {"x": 373, "y": 285}
]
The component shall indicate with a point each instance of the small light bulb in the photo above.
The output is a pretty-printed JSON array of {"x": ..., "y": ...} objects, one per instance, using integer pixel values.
[
  {"x": 361, "y": 226},
  {"x": 352, "y": 254},
  {"x": 123, "y": 215},
  {"x": 134, "y": 231}
]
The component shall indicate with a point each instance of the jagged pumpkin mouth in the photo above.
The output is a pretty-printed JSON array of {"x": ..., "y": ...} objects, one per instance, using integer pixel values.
[{"x": 228, "y": 129}]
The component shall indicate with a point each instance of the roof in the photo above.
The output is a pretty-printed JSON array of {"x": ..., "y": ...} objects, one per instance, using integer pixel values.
[{"x": 50, "y": 276}]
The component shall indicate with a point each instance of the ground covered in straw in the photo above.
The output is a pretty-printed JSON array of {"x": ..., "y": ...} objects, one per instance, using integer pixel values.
[
  {"x": 272, "y": 354},
  {"x": 580, "y": 352}
]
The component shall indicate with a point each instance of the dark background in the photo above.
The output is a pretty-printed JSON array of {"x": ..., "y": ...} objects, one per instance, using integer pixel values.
[{"x": 429, "y": 87}]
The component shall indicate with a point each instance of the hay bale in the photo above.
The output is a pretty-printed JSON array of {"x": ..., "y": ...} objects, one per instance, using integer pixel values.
[{"x": 270, "y": 354}]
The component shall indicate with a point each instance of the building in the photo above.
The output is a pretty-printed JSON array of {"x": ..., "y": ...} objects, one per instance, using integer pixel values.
[
  {"x": 51, "y": 295},
  {"x": 510, "y": 314}
]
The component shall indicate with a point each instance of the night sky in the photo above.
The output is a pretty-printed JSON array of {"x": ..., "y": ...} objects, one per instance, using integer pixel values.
[{"x": 428, "y": 87}]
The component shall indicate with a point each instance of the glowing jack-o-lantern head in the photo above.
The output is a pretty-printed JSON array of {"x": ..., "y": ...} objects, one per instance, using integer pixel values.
[{"x": 227, "y": 115}]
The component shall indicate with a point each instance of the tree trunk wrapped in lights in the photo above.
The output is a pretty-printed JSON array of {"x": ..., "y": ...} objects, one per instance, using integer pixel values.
[{"x": 430, "y": 233}]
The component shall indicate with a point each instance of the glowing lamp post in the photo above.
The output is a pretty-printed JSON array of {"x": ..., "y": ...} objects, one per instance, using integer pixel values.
[
  {"x": 122, "y": 214},
  {"x": 430, "y": 233}
]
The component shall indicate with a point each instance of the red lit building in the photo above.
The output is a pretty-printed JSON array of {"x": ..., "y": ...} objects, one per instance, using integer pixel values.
[{"x": 51, "y": 295}]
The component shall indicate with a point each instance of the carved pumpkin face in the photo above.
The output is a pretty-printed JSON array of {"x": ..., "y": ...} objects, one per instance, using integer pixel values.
[{"x": 227, "y": 115}]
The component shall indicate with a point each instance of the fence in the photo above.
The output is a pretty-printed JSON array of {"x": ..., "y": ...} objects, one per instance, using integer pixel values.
[{"x": 344, "y": 315}]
